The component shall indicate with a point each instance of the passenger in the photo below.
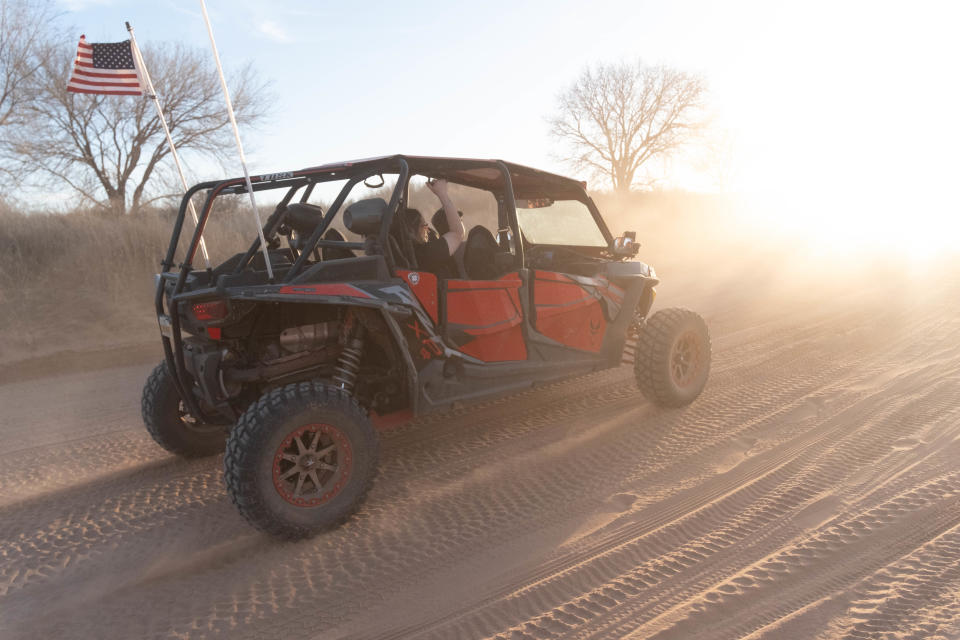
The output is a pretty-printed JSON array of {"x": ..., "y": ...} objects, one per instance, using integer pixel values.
[
  {"x": 439, "y": 222},
  {"x": 435, "y": 255}
]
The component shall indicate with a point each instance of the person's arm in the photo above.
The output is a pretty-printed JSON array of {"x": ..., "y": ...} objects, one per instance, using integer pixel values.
[{"x": 454, "y": 237}]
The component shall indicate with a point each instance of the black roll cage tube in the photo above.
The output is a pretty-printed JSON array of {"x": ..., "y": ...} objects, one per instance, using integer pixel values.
[
  {"x": 314, "y": 238},
  {"x": 272, "y": 223},
  {"x": 297, "y": 180},
  {"x": 512, "y": 210},
  {"x": 309, "y": 177}
]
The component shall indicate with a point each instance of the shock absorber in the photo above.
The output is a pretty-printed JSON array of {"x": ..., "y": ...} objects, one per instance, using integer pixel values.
[{"x": 348, "y": 365}]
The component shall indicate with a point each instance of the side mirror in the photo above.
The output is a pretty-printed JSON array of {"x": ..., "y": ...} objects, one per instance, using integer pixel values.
[{"x": 626, "y": 245}]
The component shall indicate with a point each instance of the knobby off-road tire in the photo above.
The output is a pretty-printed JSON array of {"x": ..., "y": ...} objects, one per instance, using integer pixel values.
[
  {"x": 300, "y": 460},
  {"x": 170, "y": 425},
  {"x": 672, "y": 360}
]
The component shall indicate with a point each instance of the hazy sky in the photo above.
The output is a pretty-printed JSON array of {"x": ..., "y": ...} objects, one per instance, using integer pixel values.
[{"x": 847, "y": 99}]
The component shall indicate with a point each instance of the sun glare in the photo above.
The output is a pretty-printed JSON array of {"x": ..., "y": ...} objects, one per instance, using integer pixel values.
[{"x": 846, "y": 132}]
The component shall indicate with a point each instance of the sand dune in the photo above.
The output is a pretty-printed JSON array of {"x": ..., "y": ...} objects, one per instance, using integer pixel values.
[{"x": 811, "y": 492}]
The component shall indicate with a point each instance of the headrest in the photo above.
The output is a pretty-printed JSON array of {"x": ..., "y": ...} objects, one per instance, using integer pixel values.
[
  {"x": 364, "y": 216},
  {"x": 303, "y": 218}
]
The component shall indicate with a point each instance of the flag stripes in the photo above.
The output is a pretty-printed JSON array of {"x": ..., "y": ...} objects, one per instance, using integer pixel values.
[{"x": 105, "y": 68}]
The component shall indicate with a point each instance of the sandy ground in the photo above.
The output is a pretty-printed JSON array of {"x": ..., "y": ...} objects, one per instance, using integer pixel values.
[{"x": 813, "y": 491}]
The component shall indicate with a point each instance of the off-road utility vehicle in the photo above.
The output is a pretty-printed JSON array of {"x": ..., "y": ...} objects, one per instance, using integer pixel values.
[{"x": 297, "y": 371}]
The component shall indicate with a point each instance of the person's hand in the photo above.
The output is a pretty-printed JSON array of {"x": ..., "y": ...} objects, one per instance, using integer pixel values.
[{"x": 438, "y": 187}]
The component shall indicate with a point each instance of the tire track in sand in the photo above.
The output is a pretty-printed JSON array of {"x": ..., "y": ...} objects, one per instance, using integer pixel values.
[
  {"x": 121, "y": 515},
  {"x": 436, "y": 502},
  {"x": 892, "y": 433}
]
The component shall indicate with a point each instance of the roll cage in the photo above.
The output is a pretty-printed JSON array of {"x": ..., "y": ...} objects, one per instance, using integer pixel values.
[{"x": 505, "y": 181}]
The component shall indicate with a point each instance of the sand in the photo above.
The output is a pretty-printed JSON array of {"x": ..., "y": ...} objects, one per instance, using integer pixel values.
[{"x": 813, "y": 491}]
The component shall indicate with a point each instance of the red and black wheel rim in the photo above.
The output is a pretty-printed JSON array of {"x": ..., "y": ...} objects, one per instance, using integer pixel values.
[
  {"x": 687, "y": 358},
  {"x": 312, "y": 465}
]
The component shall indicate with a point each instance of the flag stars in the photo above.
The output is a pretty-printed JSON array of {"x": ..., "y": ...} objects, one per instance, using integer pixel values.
[{"x": 112, "y": 55}]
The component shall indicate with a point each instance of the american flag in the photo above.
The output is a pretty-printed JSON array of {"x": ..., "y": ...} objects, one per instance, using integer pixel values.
[{"x": 105, "y": 67}]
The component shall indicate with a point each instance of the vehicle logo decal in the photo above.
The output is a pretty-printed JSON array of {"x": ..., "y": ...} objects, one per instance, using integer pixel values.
[
  {"x": 276, "y": 176},
  {"x": 594, "y": 325},
  {"x": 428, "y": 348},
  {"x": 414, "y": 278}
]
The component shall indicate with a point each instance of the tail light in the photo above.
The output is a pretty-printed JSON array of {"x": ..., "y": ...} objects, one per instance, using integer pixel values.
[{"x": 212, "y": 310}]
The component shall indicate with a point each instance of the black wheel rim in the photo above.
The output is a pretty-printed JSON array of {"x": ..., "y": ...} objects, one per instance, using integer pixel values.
[{"x": 312, "y": 465}]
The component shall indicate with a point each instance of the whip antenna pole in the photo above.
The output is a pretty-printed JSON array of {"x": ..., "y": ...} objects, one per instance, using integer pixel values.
[
  {"x": 142, "y": 68},
  {"x": 236, "y": 134}
]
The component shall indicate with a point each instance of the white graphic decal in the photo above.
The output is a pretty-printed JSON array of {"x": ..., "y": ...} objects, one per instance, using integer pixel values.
[{"x": 276, "y": 176}]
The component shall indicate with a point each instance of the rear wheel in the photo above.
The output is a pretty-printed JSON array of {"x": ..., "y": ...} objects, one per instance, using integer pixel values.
[
  {"x": 170, "y": 425},
  {"x": 300, "y": 460},
  {"x": 672, "y": 357}
]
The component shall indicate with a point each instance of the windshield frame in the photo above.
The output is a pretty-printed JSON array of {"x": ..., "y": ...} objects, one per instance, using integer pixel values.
[{"x": 594, "y": 217}]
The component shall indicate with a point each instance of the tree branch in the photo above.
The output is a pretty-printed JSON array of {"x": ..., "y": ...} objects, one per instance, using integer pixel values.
[{"x": 616, "y": 118}]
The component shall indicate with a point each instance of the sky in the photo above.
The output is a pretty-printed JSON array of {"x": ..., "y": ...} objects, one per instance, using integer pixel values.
[{"x": 834, "y": 111}]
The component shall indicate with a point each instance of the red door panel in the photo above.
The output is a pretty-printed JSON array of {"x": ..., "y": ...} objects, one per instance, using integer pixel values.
[
  {"x": 424, "y": 287},
  {"x": 484, "y": 318},
  {"x": 567, "y": 312}
]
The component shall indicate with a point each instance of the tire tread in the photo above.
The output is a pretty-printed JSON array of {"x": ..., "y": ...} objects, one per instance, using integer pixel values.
[
  {"x": 653, "y": 350},
  {"x": 239, "y": 462},
  {"x": 157, "y": 390}
]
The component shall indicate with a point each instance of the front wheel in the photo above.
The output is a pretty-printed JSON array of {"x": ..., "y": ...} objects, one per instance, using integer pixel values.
[
  {"x": 300, "y": 460},
  {"x": 672, "y": 357}
]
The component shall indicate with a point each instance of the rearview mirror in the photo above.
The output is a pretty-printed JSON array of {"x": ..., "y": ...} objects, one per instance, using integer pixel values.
[{"x": 533, "y": 203}]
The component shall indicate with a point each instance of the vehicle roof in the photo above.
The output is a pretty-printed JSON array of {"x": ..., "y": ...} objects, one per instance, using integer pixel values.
[{"x": 473, "y": 172}]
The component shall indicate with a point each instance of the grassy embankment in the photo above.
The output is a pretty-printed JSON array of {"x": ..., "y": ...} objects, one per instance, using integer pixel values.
[{"x": 79, "y": 281}]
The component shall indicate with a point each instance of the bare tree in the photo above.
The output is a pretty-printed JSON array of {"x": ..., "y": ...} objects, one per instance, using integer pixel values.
[
  {"x": 24, "y": 27},
  {"x": 108, "y": 148},
  {"x": 616, "y": 118}
]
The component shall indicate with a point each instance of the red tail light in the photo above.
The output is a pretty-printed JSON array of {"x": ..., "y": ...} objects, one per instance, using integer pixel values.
[{"x": 213, "y": 310}]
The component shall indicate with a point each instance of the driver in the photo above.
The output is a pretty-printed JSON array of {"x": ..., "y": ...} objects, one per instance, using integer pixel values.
[{"x": 434, "y": 255}]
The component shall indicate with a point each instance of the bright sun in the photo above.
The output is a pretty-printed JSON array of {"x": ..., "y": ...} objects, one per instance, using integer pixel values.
[{"x": 846, "y": 127}]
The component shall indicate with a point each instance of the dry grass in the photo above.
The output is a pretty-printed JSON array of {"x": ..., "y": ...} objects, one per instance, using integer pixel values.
[{"x": 81, "y": 281}]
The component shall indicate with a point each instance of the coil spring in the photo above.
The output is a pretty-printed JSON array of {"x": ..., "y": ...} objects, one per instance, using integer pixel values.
[{"x": 348, "y": 366}]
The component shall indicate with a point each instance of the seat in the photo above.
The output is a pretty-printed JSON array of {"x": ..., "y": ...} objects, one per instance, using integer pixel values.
[
  {"x": 479, "y": 255},
  {"x": 457, "y": 258},
  {"x": 300, "y": 222},
  {"x": 400, "y": 256},
  {"x": 364, "y": 218},
  {"x": 303, "y": 218},
  {"x": 335, "y": 253}
]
